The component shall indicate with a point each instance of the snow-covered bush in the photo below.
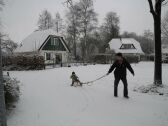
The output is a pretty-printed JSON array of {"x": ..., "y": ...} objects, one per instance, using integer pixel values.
[
  {"x": 12, "y": 91},
  {"x": 153, "y": 89}
]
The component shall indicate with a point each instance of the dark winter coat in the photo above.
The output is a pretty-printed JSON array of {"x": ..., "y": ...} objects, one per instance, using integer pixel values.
[
  {"x": 74, "y": 77},
  {"x": 120, "y": 68}
]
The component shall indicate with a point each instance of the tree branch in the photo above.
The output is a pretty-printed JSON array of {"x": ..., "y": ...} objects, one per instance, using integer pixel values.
[
  {"x": 151, "y": 8},
  {"x": 164, "y": 30}
]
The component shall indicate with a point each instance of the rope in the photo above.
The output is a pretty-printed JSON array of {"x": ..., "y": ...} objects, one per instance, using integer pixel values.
[{"x": 95, "y": 79}]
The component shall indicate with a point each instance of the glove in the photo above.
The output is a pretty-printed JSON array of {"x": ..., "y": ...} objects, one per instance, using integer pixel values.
[{"x": 133, "y": 74}]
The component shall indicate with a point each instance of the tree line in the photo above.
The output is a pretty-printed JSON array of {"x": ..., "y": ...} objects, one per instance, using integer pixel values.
[{"x": 83, "y": 33}]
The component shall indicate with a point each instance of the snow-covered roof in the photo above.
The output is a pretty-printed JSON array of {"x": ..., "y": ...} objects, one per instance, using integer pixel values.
[
  {"x": 34, "y": 41},
  {"x": 115, "y": 44}
]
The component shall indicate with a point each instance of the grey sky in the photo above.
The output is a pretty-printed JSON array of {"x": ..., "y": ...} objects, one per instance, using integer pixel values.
[{"x": 20, "y": 17}]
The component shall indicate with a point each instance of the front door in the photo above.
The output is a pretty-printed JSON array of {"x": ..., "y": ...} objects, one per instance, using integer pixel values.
[{"x": 58, "y": 58}]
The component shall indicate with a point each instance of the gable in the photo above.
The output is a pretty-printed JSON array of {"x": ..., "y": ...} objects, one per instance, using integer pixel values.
[{"x": 53, "y": 43}]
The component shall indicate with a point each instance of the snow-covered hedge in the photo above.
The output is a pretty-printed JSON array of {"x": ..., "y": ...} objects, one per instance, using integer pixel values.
[
  {"x": 23, "y": 62},
  {"x": 132, "y": 58},
  {"x": 12, "y": 91}
]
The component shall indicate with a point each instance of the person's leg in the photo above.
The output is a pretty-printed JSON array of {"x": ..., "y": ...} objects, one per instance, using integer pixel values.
[
  {"x": 72, "y": 83},
  {"x": 80, "y": 83},
  {"x": 116, "y": 82},
  {"x": 124, "y": 80}
]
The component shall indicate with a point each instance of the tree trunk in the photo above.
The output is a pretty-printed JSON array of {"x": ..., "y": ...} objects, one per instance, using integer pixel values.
[
  {"x": 85, "y": 43},
  {"x": 2, "y": 98},
  {"x": 158, "y": 43},
  {"x": 156, "y": 13},
  {"x": 74, "y": 44},
  {"x": 158, "y": 52},
  {"x": 74, "y": 34}
]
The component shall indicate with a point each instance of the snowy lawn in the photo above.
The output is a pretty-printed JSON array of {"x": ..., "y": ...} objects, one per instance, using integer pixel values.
[{"x": 48, "y": 100}]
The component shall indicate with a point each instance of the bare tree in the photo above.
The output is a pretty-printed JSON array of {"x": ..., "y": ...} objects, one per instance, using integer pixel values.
[
  {"x": 155, "y": 10},
  {"x": 2, "y": 97},
  {"x": 8, "y": 45},
  {"x": 88, "y": 20},
  {"x": 110, "y": 28},
  {"x": 146, "y": 40},
  {"x": 111, "y": 24},
  {"x": 165, "y": 27},
  {"x": 58, "y": 23},
  {"x": 3, "y": 121},
  {"x": 1, "y": 5},
  {"x": 73, "y": 25},
  {"x": 45, "y": 20}
]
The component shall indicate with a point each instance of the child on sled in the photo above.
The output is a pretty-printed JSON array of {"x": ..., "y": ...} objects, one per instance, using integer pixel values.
[{"x": 75, "y": 80}]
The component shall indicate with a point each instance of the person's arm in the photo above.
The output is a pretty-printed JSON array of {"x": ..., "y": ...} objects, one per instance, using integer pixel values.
[
  {"x": 112, "y": 68},
  {"x": 129, "y": 68},
  {"x": 77, "y": 77}
]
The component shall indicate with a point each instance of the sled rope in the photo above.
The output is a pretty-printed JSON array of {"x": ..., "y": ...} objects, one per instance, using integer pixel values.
[{"x": 95, "y": 79}]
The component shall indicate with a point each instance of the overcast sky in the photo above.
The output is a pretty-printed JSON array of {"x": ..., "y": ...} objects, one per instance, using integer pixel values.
[{"x": 19, "y": 17}]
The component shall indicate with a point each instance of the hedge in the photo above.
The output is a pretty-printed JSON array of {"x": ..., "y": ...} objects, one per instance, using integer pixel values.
[{"x": 23, "y": 62}]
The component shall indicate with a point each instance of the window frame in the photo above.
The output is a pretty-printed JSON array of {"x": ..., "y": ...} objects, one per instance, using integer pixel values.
[
  {"x": 55, "y": 41},
  {"x": 47, "y": 56}
]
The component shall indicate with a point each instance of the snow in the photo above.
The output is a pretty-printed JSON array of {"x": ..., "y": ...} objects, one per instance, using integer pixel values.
[
  {"x": 48, "y": 99},
  {"x": 115, "y": 45},
  {"x": 34, "y": 41}
]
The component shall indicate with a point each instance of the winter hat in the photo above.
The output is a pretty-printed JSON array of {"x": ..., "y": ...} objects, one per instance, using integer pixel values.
[{"x": 119, "y": 54}]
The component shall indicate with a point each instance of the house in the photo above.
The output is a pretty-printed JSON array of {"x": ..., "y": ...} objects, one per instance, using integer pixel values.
[
  {"x": 126, "y": 46},
  {"x": 46, "y": 43}
]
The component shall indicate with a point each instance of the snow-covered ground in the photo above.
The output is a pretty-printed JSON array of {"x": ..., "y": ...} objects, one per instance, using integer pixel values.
[{"x": 48, "y": 100}]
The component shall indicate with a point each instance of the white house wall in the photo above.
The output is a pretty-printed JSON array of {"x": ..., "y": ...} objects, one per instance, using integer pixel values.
[{"x": 63, "y": 53}]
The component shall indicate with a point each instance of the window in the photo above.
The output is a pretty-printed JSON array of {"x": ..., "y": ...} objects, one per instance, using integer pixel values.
[
  {"x": 55, "y": 42},
  {"x": 127, "y": 46},
  {"x": 48, "y": 56}
]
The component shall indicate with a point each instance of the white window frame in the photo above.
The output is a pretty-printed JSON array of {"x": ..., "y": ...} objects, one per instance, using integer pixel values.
[
  {"x": 46, "y": 56},
  {"x": 55, "y": 41}
]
